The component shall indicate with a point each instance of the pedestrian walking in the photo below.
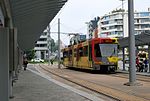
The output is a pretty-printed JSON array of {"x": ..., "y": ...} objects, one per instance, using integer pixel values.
[
  {"x": 141, "y": 68},
  {"x": 145, "y": 65},
  {"x": 137, "y": 64},
  {"x": 25, "y": 62}
]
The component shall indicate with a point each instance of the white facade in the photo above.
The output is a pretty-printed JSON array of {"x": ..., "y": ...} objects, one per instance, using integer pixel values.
[
  {"x": 41, "y": 50},
  {"x": 41, "y": 47},
  {"x": 113, "y": 24}
]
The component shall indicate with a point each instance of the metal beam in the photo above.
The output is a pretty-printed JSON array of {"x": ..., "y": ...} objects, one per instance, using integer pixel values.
[
  {"x": 4, "y": 64},
  {"x": 149, "y": 57},
  {"x": 25, "y": 10},
  {"x": 132, "y": 67},
  {"x": 58, "y": 43}
]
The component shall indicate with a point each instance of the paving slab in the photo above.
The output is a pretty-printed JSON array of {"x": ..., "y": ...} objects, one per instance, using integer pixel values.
[{"x": 31, "y": 87}]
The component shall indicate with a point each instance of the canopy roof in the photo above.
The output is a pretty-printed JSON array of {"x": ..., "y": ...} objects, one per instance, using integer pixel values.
[
  {"x": 31, "y": 17},
  {"x": 141, "y": 39}
]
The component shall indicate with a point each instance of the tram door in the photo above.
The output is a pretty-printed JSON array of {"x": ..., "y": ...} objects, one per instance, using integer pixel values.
[
  {"x": 90, "y": 56},
  {"x": 70, "y": 57}
]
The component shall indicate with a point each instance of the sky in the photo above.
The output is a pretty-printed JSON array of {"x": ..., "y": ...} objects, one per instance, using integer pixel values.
[{"x": 75, "y": 13}]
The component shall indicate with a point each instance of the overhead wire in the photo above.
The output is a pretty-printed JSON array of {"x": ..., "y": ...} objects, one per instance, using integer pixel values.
[
  {"x": 67, "y": 27},
  {"x": 117, "y": 7},
  {"x": 73, "y": 30}
]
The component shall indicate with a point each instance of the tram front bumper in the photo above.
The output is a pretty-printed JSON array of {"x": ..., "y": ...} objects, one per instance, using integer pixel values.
[{"x": 106, "y": 67}]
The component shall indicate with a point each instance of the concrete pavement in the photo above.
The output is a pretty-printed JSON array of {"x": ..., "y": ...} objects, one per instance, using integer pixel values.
[
  {"x": 35, "y": 86},
  {"x": 32, "y": 87}
]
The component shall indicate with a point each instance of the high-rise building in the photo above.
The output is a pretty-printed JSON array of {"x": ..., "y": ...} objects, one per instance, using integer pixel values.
[
  {"x": 41, "y": 47},
  {"x": 114, "y": 24},
  {"x": 41, "y": 50}
]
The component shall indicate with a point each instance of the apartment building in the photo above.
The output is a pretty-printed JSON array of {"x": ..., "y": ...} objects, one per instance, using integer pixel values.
[
  {"x": 116, "y": 22},
  {"x": 41, "y": 47},
  {"x": 41, "y": 50}
]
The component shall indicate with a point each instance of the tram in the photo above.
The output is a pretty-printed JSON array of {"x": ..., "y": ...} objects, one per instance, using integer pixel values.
[{"x": 94, "y": 54}]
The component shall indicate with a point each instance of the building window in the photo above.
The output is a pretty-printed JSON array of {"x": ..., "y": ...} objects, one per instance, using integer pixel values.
[
  {"x": 41, "y": 45},
  {"x": 143, "y": 14},
  {"x": 42, "y": 39},
  {"x": 145, "y": 20},
  {"x": 145, "y": 26},
  {"x": 45, "y": 33}
]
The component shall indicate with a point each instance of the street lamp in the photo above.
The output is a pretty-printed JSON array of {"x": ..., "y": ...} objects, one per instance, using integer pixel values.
[
  {"x": 123, "y": 49},
  {"x": 48, "y": 43}
]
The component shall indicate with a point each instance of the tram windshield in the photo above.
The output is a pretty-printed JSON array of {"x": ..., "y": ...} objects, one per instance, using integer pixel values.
[{"x": 107, "y": 50}]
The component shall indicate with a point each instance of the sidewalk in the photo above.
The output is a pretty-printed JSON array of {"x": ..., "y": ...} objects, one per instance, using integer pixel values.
[{"x": 32, "y": 87}]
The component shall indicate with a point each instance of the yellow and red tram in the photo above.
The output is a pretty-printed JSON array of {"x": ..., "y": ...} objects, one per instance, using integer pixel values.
[{"x": 95, "y": 54}]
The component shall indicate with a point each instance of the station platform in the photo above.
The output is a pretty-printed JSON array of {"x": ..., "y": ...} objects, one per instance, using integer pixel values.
[{"x": 33, "y": 86}]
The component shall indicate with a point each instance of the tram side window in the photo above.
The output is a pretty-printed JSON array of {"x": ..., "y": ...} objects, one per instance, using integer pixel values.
[
  {"x": 65, "y": 54},
  {"x": 85, "y": 51},
  {"x": 75, "y": 52},
  {"x": 90, "y": 53},
  {"x": 70, "y": 55},
  {"x": 97, "y": 50},
  {"x": 77, "y": 59},
  {"x": 70, "y": 52},
  {"x": 81, "y": 51}
]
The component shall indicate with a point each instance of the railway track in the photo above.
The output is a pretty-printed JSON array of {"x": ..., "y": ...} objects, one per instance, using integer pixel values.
[
  {"x": 101, "y": 89},
  {"x": 77, "y": 81},
  {"x": 138, "y": 77}
]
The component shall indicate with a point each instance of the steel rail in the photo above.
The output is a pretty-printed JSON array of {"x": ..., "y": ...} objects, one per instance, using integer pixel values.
[
  {"x": 99, "y": 88},
  {"x": 109, "y": 96}
]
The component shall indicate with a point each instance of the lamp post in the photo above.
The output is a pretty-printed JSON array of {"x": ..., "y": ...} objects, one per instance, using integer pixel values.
[
  {"x": 59, "y": 59},
  {"x": 48, "y": 43},
  {"x": 132, "y": 69},
  {"x": 123, "y": 49}
]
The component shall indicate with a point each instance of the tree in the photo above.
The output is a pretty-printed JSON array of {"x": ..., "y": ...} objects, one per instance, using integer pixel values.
[
  {"x": 55, "y": 46},
  {"x": 52, "y": 45},
  {"x": 30, "y": 54}
]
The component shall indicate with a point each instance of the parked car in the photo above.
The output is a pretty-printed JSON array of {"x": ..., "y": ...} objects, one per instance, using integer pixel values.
[{"x": 37, "y": 60}]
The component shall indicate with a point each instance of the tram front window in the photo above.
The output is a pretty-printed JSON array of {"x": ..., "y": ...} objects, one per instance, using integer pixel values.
[{"x": 108, "y": 50}]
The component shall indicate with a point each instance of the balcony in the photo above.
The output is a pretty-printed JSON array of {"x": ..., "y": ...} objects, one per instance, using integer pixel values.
[
  {"x": 43, "y": 36},
  {"x": 40, "y": 48},
  {"x": 139, "y": 29},
  {"x": 111, "y": 30},
  {"x": 141, "y": 23},
  {"x": 140, "y": 17},
  {"x": 41, "y": 42},
  {"x": 112, "y": 24}
]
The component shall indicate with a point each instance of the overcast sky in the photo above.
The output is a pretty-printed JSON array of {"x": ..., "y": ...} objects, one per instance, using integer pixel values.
[{"x": 75, "y": 13}]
